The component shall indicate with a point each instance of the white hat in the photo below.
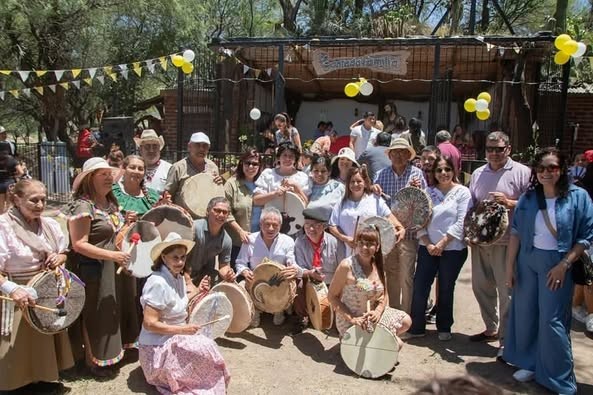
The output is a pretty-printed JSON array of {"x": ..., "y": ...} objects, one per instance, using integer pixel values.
[
  {"x": 401, "y": 143},
  {"x": 88, "y": 167},
  {"x": 199, "y": 137},
  {"x": 346, "y": 153},
  {"x": 172, "y": 239},
  {"x": 2, "y": 130},
  {"x": 149, "y": 135}
]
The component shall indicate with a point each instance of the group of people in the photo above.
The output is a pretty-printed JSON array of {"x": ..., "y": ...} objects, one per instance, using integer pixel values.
[{"x": 532, "y": 262}]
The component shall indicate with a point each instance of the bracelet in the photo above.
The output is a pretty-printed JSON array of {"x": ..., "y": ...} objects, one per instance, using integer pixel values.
[
  {"x": 567, "y": 263},
  {"x": 9, "y": 287}
]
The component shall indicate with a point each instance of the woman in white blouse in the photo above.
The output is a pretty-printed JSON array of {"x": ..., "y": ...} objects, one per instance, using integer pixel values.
[
  {"x": 173, "y": 357},
  {"x": 442, "y": 249}
]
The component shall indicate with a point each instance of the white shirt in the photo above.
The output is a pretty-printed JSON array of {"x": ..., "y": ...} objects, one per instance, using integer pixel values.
[
  {"x": 159, "y": 179},
  {"x": 281, "y": 251},
  {"x": 542, "y": 238},
  {"x": 270, "y": 181},
  {"x": 448, "y": 214},
  {"x": 363, "y": 139},
  {"x": 167, "y": 294}
]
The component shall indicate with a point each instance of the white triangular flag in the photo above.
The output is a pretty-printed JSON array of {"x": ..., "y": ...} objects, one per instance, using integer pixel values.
[
  {"x": 489, "y": 46},
  {"x": 27, "y": 92},
  {"x": 2, "y": 95},
  {"x": 24, "y": 75},
  {"x": 501, "y": 51},
  {"x": 269, "y": 71},
  {"x": 101, "y": 79},
  {"x": 124, "y": 74},
  {"x": 517, "y": 49},
  {"x": 76, "y": 84},
  {"x": 578, "y": 60},
  {"x": 58, "y": 74},
  {"x": 245, "y": 69},
  {"x": 151, "y": 66},
  {"x": 480, "y": 38},
  {"x": 52, "y": 87},
  {"x": 92, "y": 72}
]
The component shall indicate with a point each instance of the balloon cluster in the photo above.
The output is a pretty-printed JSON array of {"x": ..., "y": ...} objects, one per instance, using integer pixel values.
[
  {"x": 184, "y": 61},
  {"x": 479, "y": 106},
  {"x": 568, "y": 47},
  {"x": 362, "y": 86}
]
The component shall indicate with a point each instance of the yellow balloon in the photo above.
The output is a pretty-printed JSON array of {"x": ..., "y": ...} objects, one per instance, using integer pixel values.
[
  {"x": 485, "y": 96},
  {"x": 561, "y": 58},
  {"x": 351, "y": 89},
  {"x": 187, "y": 68},
  {"x": 561, "y": 40},
  {"x": 470, "y": 105},
  {"x": 570, "y": 47},
  {"x": 483, "y": 115},
  {"x": 178, "y": 60}
]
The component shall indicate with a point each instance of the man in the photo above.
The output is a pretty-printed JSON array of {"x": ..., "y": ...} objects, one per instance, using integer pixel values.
[
  {"x": 429, "y": 155},
  {"x": 400, "y": 263},
  {"x": 196, "y": 162},
  {"x": 503, "y": 180},
  {"x": 5, "y": 145},
  {"x": 448, "y": 150},
  {"x": 85, "y": 145},
  {"x": 415, "y": 135},
  {"x": 212, "y": 242},
  {"x": 267, "y": 243},
  {"x": 150, "y": 146},
  {"x": 360, "y": 135},
  {"x": 322, "y": 145},
  {"x": 320, "y": 131},
  {"x": 374, "y": 157}
]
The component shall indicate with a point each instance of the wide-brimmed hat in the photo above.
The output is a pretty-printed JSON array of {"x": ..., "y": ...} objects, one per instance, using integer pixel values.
[
  {"x": 88, "y": 167},
  {"x": 346, "y": 153},
  {"x": 149, "y": 135},
  {"x": 400, "y": 143},
  {"x": 172, "y": 239},
  {"x": 2, "y": 130}
]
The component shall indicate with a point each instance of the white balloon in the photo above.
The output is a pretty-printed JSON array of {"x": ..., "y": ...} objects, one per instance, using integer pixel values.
[
  {"x": 582, "y": 48},
  {"x": 189, "y": 55},
  {"x": 366, "y": 89},
  {"x": 254, "y": 114},
  {"x": 481, "y": 105}
]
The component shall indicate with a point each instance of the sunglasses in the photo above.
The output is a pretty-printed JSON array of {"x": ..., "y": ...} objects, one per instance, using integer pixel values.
[
  {"x": 251, "y": 164},
  {"x": 220, "y": 211},
  {"x": 549, "y": 169},
  {"x": 443, "y": 170},
  {"x": 497, "y": 150}
]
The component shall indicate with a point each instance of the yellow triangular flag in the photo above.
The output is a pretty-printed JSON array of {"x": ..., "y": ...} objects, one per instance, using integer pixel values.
[
  {"x": 64, "y": 85},
  {"x": 113, "y": 76},
  {"x": 76, "y": 72},
  {"x": 106, "y": 70},
  {"x": 89, "y": 81},
  {"x": 257, "y": 73},
  {"x": 40, "y": 73},
  {"x": 163, "y": 60},
  {"x": 6, "y": 72},
  {"x": 137, "y": 67},
  {"x": 39, "y": 89},
  {"x": 15, "y": 93}
]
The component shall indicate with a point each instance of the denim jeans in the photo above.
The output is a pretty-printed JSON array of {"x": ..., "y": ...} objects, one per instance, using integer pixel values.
[{"x": 448, "y": 266}]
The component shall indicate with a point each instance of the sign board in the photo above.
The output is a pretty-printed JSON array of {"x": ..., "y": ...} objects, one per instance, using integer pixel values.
[{"x": 390, "y": 62}]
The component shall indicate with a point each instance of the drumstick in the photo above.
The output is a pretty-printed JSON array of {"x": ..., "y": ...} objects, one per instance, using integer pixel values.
[
  {"x": 133, "y": 241},
  {"x": 224, "y": 317},
  {"x": 59, "y": 312}
]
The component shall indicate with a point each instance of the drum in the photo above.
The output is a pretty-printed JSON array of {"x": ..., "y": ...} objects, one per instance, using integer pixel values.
[
  {"x": 372, "y": 354},
  {"x": 386, "y": 230},
  {"x": 269, "y": 292},
  {"x": 140, "y": 261},
  {"x": 212, "y": 307},
  {"x": 196, "y": 193},
  {"x": 171, "y": 218},
  {"x": 412, "y": 207},
  {"x": 243, "y": 309},
  {"x": 319, "y": 309},
  {"x": 59, "y": 289},
  {"x": 291, "y": 206},
  {"x": 486, "y": 222}
]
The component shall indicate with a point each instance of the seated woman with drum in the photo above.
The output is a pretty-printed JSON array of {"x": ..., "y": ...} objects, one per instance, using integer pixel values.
[
  {"x": 131, "y": 193},
  {"x": 341, "y": 164},
  {"x": 29, "y": 244},
  {"x": 173, "y": 356}
]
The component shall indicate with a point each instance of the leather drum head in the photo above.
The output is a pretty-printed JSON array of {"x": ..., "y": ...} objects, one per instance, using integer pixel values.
[
  {"x": 196, "y": 193},
  {"x": 412, "y": 207},
  {"x": 291, "y": 206},
  {"x": 486, "y": 222},
  {"x": 212, "y": 307},
  {"x": 140, "y": 260},
  {"x": 171, "y": 218},
  {"x": 319, "y": 310},
  {"x": 269, "y": 292},
  {"x": 242, "y": 306},
  {"x": 369, "y": 355}
]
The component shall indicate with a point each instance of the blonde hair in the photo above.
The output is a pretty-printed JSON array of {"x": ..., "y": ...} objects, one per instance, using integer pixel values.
[{"x": 21, "y": 188}]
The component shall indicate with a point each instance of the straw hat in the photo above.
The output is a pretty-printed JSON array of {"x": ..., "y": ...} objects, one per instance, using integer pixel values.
[
  {"x": 401, "y": 143},
  {"x": 88, "y": 167},
  {"x": 149, "y": 135},
  {"x": 172, "y": 239},
  {"x": 346, "y": 153}
]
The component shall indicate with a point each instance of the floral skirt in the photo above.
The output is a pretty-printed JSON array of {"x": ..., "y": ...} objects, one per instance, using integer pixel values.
[{"x": 185, "y": 364}]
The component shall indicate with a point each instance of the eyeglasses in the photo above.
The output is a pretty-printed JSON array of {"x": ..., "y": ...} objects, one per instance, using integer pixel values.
[
  {"x": 443, "y": 170},
  {"x": 497, "y": 150},
  {"x": 251, "y": 164},
  {"x": 220, "y": 211},
  {"x": 549, "y": 169}
]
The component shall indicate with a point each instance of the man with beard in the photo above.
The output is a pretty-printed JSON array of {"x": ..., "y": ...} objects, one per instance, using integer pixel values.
[{"x": 150, "y": 146}]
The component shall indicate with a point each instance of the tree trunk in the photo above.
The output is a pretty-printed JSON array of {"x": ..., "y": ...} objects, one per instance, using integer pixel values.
[{"x": 560, "y": 16}]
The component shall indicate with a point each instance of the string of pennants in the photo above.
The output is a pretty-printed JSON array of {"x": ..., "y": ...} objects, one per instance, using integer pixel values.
[
  {"x": 80, "y": 76},
  {"x": 225, "y": 52}
]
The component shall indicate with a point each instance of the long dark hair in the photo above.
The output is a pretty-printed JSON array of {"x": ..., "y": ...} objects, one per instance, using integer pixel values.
[
  {"x": 449, "y": 161},
  {"x": 288, "y": 146},
  {"x": 371, "y": 234},
  {"x": 143, "y": 188},
  {"x": 250, "y": 152},
  {"x": 365, "y": 177},
  {"x": 563, "y": 182}
]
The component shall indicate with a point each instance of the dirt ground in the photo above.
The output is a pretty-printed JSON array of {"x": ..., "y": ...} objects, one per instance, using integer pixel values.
[{"x": 268, "y": 360}]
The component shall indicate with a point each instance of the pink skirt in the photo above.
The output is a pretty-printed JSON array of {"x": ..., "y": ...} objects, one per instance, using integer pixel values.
[{"x": 185, "y": 364}]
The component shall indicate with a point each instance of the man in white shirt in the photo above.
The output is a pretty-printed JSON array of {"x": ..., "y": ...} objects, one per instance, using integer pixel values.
[
  {"x": 360, "y": 136},
  {"x": 267, "y": 243},
  {"x": 6, "y": 145},
  {"x": 150, "y": 146}
]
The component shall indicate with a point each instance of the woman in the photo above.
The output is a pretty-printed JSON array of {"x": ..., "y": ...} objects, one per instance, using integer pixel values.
[
  {"x": 174, "y": 358},
  {"x": 442, "y": 249},
  {"x": 323, "y": 186},
  {"x": 8, "y": 172},
  {"x": 541, "y": 250},
  {"x": 109, "y": 322},
  {"x": 361, "y": 278},
  {"x": 131, "y": 193},
  {"x": 283, "y": 178},
  {"x": 359, "y": 203},
  {"x": 286, "y": 133},
  {"x": 239, "y": 189},
  {"x": 28, "y": 245},
  {"x": 342, "y": 163}
]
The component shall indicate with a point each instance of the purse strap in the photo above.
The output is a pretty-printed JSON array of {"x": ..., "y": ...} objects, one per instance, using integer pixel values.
[{"x": 541, "y": 202}]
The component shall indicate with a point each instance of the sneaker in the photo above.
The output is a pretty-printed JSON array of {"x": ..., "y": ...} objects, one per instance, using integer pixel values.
[
  {"x": 589, "y": 322},
  {"x": 445, "y": 336},
  {"x": 255, "y": 321},
  {"x": 579, "y": 313},
  {"x": 408, "y": 335},
  {"x": 431, "y": 318},
  {"x": 483, "y": 337},
  {"x": 279, "y": 318},
  {"x": 524, "y": 375},
  {"x": 499, "y": 354}
]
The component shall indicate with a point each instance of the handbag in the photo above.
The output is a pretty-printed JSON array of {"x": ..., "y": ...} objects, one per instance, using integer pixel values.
[{"x": 582, "y": 268}]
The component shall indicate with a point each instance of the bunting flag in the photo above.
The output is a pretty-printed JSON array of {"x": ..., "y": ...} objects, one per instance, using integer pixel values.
[
  {"x": 59, "y": 74},
  {"x": 24, "y": 75},
  {"x": 269, "y": 71},
  {"x": 76, "y": 72},
  {"x": 76, "y": 84},
  {"x": 52, "y": 87},
  {"x": 501, "y": 51},
  {"x": 88, "y": 81},
  {"x": 257, "y": 73},
  {"x": 113, "y": 76},
  {"x": 124, "y": 71},
  {"x": 2, "y": 95},
  {"x": 163, "y": 60},
  {"x": 64, "y": 85},
  {"x": 40, "y": 73},
  {"x": 6, "y": 72},
  {"x": 101, "y": 79},
  {"x": 15, "y": 93},
  {"x": 39, "y": 90},
  {"x": 137, "y": 67},
  {"x": 150, "y": 65},
  {"x": 107, "y": 70},
  {"x": 245, "y": 69},
  {"x": 27, "y": 92},
  {"x": 92, "y": 72}
]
